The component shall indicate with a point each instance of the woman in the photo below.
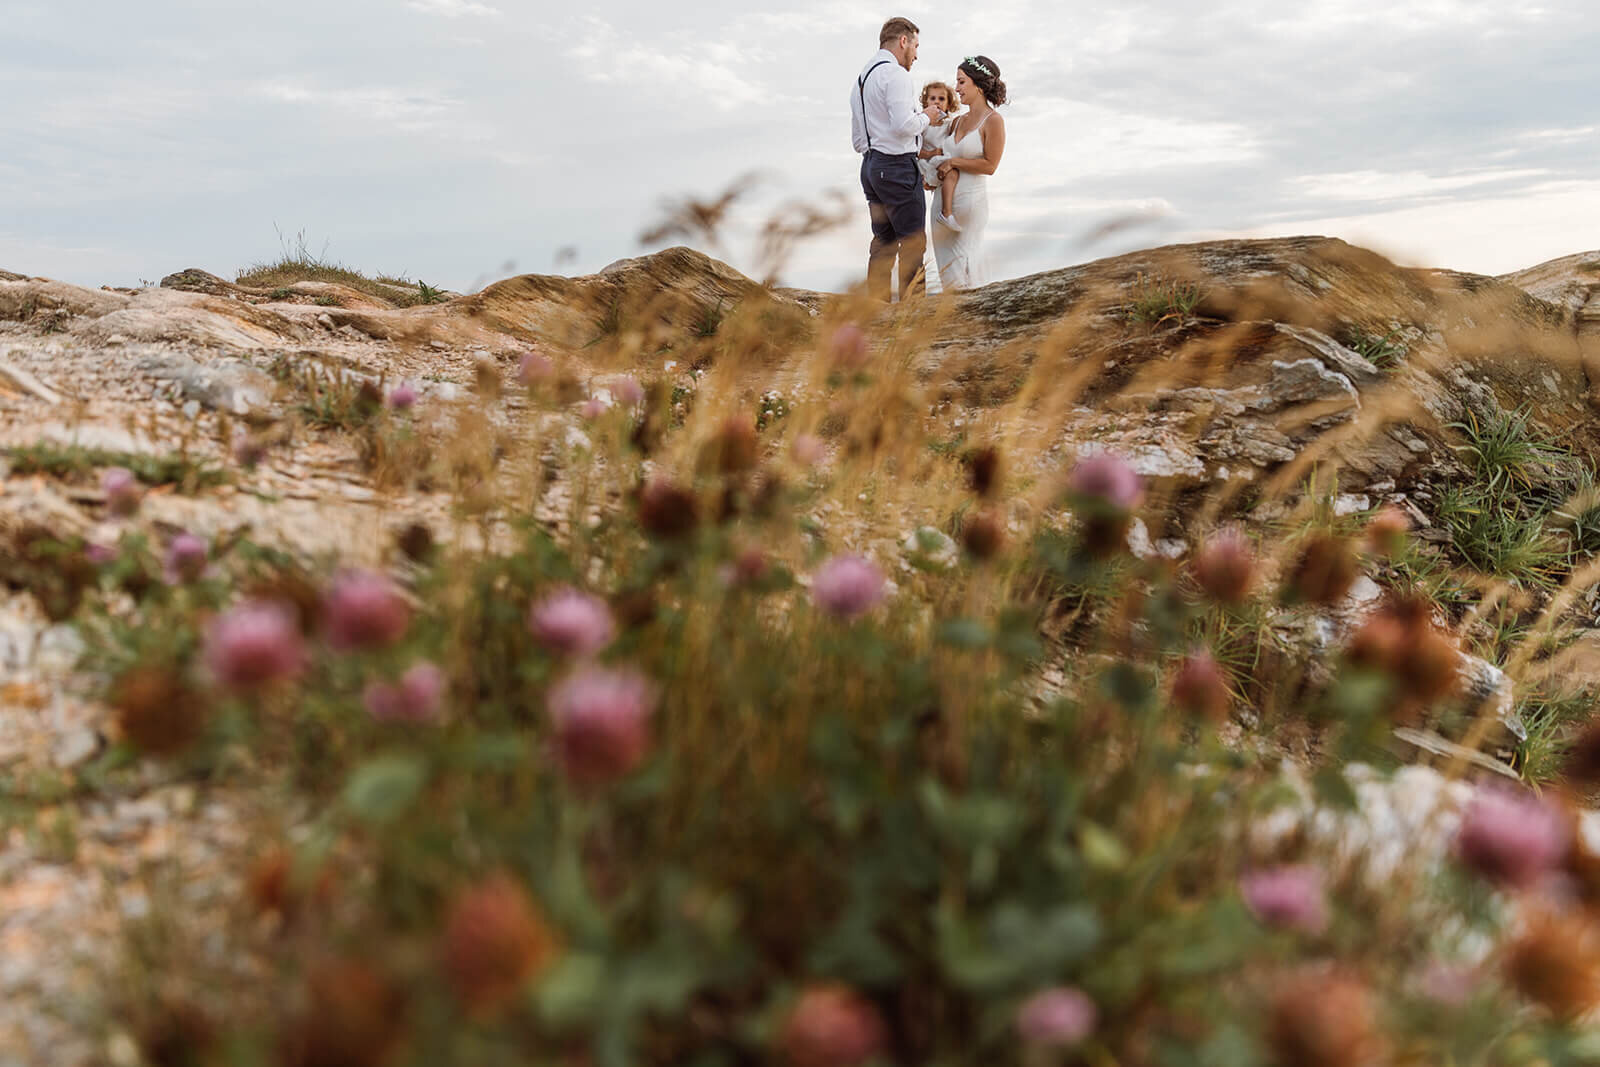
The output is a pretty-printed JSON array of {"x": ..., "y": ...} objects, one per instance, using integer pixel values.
[{"x": 976, "y": 144}]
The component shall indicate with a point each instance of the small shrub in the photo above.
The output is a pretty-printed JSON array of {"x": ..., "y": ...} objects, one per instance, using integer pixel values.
[
  {"x": 709, "y": 320},
  {"x": 1157, "y": 301},
  {"x": 1385, "y": 351}
]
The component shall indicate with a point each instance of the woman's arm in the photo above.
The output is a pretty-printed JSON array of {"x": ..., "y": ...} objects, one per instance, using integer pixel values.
[{"x": 994, "y": 146}]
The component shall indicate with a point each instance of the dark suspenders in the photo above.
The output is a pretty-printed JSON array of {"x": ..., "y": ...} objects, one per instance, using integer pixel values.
[{"x": 861, "y": 87}]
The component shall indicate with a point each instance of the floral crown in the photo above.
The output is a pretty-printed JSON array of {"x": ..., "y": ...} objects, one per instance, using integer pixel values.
[{"x": 977, "y": 65}]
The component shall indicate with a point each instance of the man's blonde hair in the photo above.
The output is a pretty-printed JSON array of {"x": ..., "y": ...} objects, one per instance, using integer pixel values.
[{"x": 895, "y": 29}]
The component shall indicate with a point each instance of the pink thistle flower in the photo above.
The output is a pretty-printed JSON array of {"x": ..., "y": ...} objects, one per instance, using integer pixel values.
[
  {"x": 98, "y": 554},
  {"x": 626, "y": 390},
  {"x": 572, "y": 623},
  {"x": 847, "y": 587},
  {"x": 1288, "y": 897},
  {"x": 122, "y": 491},
  {"x": 364, "y": 610},
  {"x": 186, "y": 559},
  {"x": 1511, "y": 838},
  {"x": 848, "y": 346},
  {"x": 248, "y": 450},
  {"x": 1057, "y": 1017},
  {"x": 1226, "y": 566},
  {"x": 592, "y": 408},
  {"x": 255, "y": 643},
  {"x": 1106, "y": 482},
  {"x": 602, "y": 723},
  {"x": 832, "y": 1026},
  {"x": 809, "y": 449},
  {"x": 535, "y": 368},
  {"x": 403, "y": 397},
  {"x": 416, "y": 698},
  {"x": 1201, "y": 688}
]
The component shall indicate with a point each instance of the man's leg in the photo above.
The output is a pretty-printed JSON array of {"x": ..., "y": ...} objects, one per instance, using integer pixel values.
[
  {"x": 898, "y": 184},
  {"x": 913, "y": 250},
  {"x": 880, "y": 255}
]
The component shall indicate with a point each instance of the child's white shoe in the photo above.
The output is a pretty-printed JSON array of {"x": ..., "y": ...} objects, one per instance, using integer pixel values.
[{"x": 947, "y": 220}]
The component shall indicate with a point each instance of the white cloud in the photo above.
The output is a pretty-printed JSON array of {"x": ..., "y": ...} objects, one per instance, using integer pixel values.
[
  {"x": 411, "y": 110},
  {"x": 712, "y": 73},
  {"x": 1056, "y": 139},
  {"x": 1374, "y": 185},
  {"x": 452, "y": 9},
  {"x": 1490, "y": 235}
]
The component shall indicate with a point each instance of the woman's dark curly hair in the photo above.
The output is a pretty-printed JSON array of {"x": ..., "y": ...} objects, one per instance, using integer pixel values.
[{"x": 993, "y": 89}]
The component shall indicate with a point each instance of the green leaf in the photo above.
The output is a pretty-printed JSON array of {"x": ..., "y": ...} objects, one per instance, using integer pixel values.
[
  {"x": 1015, "y": 948},
  {"x": 964, "y": 633},
  {"x": 572, "y": 991},
  {"x": 381, "y": 789},
  {"x": 1101, "y": 849},
  {"x": 1334, "y": 790}
]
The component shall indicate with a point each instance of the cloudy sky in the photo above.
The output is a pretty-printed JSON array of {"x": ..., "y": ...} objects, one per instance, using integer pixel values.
[{"x": 459, "y": 140}]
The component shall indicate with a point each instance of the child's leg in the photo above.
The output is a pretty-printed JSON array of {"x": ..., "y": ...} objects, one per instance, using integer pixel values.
[{"x": 947, "y": 193}]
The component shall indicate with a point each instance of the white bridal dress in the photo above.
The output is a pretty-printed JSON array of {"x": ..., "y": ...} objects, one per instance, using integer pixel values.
[{"x": 960, "y": 256}]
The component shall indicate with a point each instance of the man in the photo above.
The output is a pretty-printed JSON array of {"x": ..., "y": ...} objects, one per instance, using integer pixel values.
[{"x": 884, "y": 127}]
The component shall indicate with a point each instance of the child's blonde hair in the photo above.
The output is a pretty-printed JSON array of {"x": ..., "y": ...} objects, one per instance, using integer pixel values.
[{"x": 949, "y": 96}]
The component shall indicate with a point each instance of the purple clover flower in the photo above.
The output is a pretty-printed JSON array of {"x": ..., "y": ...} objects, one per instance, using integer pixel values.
[
  {"x": 364, "y": 610},
  {"x": 601, "y": 720},
  {"x": 1291, "y": 898},
  {"x": 847, "y": 587},
  {"x": 1056, "y": 1018},
  {"x": 572, "y": 623},
  {"x": 254, "y": 644}
]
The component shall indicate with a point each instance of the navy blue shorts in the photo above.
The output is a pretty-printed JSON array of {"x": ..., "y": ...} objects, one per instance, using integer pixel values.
[{"x": 893, "y": 182}]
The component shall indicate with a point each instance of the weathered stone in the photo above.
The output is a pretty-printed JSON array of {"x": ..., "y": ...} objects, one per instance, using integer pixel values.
[
  {"x": 228, "y": 385},
  {"x": 195, "y": 280}
]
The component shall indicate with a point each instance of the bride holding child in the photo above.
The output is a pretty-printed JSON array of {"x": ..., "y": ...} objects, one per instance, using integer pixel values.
[{"x": 956, "y": 157}]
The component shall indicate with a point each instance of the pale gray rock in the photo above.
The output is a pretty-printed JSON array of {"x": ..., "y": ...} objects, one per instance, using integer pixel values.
[{"x": 228, "y": 385}]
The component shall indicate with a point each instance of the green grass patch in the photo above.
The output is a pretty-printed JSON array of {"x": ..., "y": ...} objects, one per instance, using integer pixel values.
[
  {"x": 1157, "y": 300},
  {"x": 298, "y": 263},
  {"x": 1550, "y": 721},
  {"x": 188, "y": 473},
  {"x": 1384, "y": 351}
]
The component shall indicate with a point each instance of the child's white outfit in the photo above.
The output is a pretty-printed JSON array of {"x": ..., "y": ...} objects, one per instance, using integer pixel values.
[{"x": 934, "y": 137}]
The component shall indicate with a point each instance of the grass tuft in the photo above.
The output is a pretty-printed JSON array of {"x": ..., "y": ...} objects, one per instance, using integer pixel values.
[{"x": 74, "y": 462}]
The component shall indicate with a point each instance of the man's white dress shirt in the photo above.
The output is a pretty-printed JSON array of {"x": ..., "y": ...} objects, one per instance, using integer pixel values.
[{"x": 892, "y": 115}]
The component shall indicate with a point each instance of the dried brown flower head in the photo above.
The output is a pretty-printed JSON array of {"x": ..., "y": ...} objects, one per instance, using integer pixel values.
[
  {"x": 159, "y": 712},
  {"x": 736, "y": 448},
  {"x": 984, "y": 470},
  {"x": 984, "y": 534},
  {"x": 416, "y": 542},
  {"x": 667, "y": 511},
  {"x": 1200, "y": 688},
  {"x": 486, "y": 379},
  {"x": 353, "y": 1017},
  {"x": 494, "y": 941},
  {"x": 1555, "y": 962},
  {"x": 1582, "y": 767},
  {"x": 1400, "y": 640},
  {"x": 1327, "y": 568},
  {"x": 176, "y": 1032},
  {"x": 1323, "y": 1020},
  {"x": 1387, "y": 531}
]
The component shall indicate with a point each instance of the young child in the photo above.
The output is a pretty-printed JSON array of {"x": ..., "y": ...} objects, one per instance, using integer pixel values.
[{"x": 932, "y": 154}]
